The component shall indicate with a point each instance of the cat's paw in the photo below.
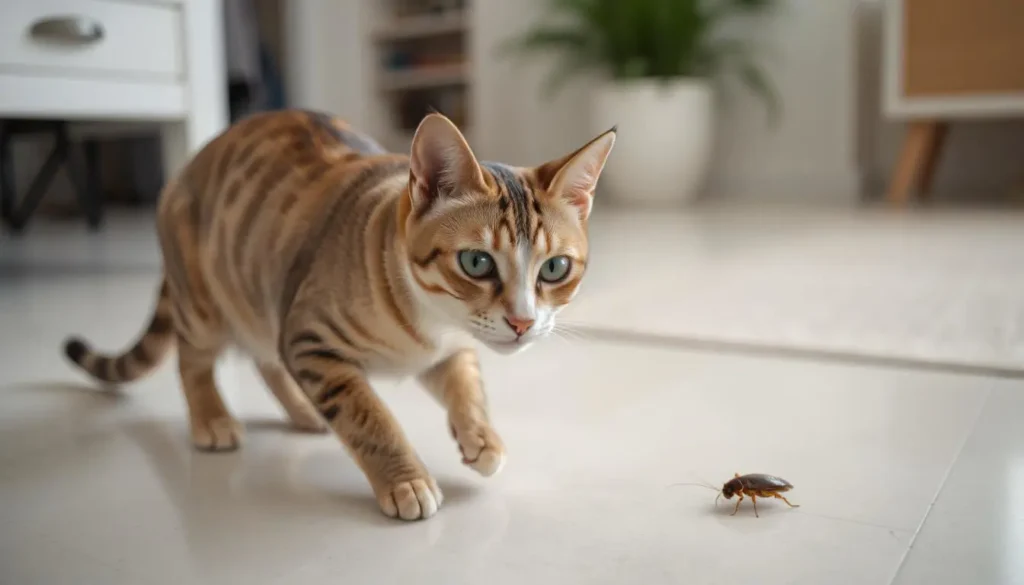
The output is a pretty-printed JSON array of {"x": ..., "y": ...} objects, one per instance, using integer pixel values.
[
  {"x": 480, "y": 446},
  {"x": 221, "y": 433},
  {"x": 417, "y": 499},
  {"x": 311, "y": 423}
]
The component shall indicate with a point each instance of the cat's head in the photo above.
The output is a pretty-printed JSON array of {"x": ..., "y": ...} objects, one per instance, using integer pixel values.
[{"x": 493, "y": 249}]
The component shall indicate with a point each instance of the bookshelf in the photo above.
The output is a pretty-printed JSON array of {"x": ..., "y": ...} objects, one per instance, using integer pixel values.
[{"x": 421, "y": 61}]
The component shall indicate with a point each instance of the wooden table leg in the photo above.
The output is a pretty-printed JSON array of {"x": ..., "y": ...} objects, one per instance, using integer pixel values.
[
  {"x": 931, "y": 160},
  {"x": 918, "y": 160}
]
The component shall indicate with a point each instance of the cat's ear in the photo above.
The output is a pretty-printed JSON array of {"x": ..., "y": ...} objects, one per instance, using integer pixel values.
[
  {"x": 572, "y": 179},
  {"x": 441, "y": 163}
]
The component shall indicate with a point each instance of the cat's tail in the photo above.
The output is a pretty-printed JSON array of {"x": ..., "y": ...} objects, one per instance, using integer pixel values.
[{"x": 144, "y": 357}]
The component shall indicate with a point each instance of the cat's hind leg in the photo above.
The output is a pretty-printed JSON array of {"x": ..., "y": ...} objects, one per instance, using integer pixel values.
[
  {"x": 295, "y": 403},
  {"x": 212, "y": 426},
  {"x": 199, "y": 326},
  {"x": 201, "y": 339}
]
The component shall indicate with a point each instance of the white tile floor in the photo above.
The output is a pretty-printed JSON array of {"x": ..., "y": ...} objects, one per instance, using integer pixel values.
[{"x": 903, "y": 476}]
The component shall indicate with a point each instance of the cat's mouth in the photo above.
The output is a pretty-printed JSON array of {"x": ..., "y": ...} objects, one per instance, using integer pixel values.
[{"x": 508, "y": 347}]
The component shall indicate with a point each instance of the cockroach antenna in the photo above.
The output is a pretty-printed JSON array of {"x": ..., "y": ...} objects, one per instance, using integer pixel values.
[{"x": 703, "y": 485}]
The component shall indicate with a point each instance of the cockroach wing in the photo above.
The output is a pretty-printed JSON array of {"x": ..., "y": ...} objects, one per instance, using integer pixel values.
[{"x": 763, "y": 481}]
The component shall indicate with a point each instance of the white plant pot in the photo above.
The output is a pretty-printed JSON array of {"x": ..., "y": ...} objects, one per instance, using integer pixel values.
[{"x": 664, "y": 143}]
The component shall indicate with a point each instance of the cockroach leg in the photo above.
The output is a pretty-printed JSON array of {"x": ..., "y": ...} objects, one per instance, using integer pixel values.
[
  {"x": 783, "y": 498},
  {"x": 737, "y": 508},
  {"x": 753, "y": 498}
]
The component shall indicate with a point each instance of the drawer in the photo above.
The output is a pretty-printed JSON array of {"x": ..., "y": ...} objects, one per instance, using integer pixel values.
[
  {"x": 89, "y": 98},
  {"x": 962, "y": 47},
  {"x": 117, "y": 37}
]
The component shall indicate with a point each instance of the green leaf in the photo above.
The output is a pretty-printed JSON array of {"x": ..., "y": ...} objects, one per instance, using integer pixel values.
[
  {"x": 629, "y": 39},
  {"x": 551, "y": 38},
  {"x": 759, "y": 84},
  {"x": 568, "y": 67},
  {"x": 723, "y": 9}
]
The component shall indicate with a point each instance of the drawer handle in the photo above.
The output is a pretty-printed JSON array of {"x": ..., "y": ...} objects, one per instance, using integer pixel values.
[{"x": 67, "y": 29}]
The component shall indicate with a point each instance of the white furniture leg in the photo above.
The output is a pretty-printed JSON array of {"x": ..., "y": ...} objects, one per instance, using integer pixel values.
[
  {"x": 206, "y": 90},
  {"x": 176, "y": 151}
]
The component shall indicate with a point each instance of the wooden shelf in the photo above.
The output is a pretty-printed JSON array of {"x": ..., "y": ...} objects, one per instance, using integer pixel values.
[
  {"x": 430, "y": 25},
  {"x": 423, "y": 77},
  {"x": 422, "y": 63}
]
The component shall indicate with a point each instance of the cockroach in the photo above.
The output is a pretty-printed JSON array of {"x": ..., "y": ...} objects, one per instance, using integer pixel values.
[{"x": 752, "y": 485}]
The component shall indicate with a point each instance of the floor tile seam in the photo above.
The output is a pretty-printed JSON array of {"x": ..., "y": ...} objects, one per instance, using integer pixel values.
[
  {"x": 787, "y": 352},
  {"x": 942, "y": 484}
]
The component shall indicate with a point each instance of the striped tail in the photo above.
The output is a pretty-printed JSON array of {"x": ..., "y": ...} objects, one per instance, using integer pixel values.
[{"x": 144, "y": 357}]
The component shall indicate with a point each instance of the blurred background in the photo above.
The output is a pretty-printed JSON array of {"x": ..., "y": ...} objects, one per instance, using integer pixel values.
[
  {"x": 844, "y": 92},
  {"x": 806, "y": 261}
]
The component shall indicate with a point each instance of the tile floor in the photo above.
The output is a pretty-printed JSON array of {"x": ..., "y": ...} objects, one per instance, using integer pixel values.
[
  {"x": 935, "y": 287},
  {"x": 903, "y": 476}
]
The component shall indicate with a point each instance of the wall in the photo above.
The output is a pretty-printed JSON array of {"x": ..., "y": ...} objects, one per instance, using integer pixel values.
[
  {"x": 810, "y": 154},
  {"x": 831, "y": 144},
  {"x": 325, "y": 46},
  {"x": 514, "y": 121}
]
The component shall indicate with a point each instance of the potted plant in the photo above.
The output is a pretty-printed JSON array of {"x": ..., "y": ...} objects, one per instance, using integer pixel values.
[{"x": 657, "y": 61}]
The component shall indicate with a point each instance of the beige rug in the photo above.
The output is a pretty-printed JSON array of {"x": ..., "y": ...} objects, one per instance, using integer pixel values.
[{"x": 926, "y": 288}]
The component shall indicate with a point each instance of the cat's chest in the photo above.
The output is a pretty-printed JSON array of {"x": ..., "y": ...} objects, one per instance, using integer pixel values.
[{"x": 415, "y": 360}]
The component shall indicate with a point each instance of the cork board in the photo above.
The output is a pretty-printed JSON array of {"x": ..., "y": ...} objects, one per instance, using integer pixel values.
[{"x": 962, "y": 47}]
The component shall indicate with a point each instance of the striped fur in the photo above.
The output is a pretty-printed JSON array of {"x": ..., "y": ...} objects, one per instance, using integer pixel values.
[
  {"x": 142, "y": 358},
  {"x": 327, "y": 260}
]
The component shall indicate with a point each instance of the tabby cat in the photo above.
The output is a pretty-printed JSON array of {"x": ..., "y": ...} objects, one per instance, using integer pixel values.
[{"x": 327, "y": 259}]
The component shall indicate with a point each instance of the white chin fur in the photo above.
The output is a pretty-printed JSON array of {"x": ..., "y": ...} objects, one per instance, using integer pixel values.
[{"x": 507, "y": 348}]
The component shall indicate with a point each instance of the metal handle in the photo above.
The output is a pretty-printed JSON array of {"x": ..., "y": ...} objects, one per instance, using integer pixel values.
[{"x": 67, "y": 29}]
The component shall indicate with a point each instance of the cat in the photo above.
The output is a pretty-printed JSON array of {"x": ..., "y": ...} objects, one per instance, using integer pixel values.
[{"x": 327, "y": 259}]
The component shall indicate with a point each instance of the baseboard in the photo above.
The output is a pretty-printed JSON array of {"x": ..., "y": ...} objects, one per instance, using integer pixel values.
[{"x": 827, "y": 187}]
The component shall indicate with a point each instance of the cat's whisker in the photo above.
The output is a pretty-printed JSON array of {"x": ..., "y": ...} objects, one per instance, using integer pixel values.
[
  {"x": 571, "y": 334},
  {"x": 561, "y": 337},
  {"x": 568, "y": 321},
  {"x": 576, "y": 327},
  {"x": 568, "y": 332}
]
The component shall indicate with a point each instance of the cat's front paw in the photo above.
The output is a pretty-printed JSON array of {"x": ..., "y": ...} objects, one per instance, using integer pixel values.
[
  {"x": 416, "y": 499},
  {"x": 481, "y": 447}
]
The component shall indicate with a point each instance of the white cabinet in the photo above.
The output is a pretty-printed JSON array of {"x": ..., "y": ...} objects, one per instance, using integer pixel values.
[
  {"x": 945, "y": 60},
  {"x": 117, "y": 60},
  {"x": 93, "y": 37},
  {"x": 953, "y": 58}
]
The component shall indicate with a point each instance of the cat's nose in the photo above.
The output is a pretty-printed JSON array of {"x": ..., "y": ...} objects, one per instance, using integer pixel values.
[{"x": 519, "y": 325}]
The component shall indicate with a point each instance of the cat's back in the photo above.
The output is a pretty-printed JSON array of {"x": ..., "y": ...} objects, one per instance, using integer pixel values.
[
  {"x": 278, "y": 167},
  {"x": 269, "y": 151},
  {"x": 255, "y": 200}
]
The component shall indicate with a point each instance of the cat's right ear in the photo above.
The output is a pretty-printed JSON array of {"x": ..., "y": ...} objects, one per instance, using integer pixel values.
[{"x": 441, "y": 165}]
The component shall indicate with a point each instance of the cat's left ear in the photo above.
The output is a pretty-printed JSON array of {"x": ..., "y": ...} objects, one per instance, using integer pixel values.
[{"x": 572, "y": 179}]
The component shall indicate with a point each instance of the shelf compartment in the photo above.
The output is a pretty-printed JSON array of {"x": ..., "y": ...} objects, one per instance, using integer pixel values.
[
  {"x": 423, "y": 77},
  {"x": 427, "y": 25}
]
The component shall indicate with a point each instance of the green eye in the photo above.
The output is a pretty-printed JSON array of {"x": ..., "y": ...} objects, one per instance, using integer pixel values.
[
  {"x": 476, "y": 264},
  {"x": 555, "y": 269}
]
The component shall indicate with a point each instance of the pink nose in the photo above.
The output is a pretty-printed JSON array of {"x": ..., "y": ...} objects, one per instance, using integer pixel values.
[{"x": 518, "y": 325}]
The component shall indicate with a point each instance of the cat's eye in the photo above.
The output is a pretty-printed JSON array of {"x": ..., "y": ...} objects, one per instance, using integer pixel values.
[
  {"x": 476, "y": 264},
  {"x": 555, "y": 269}
]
